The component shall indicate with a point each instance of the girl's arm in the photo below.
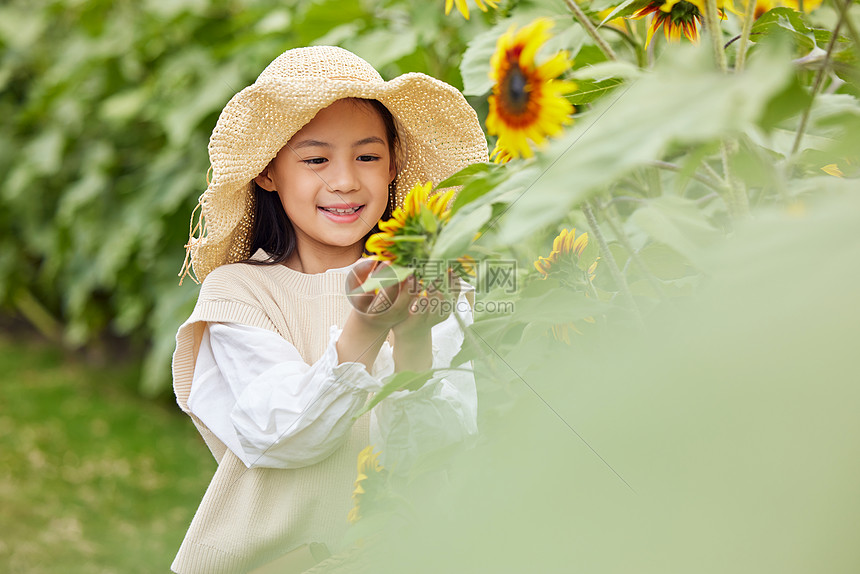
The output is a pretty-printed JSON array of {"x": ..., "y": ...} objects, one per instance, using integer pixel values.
[
  {"x": 369, "y": 322},
  {"x": 413, "y": 343}
]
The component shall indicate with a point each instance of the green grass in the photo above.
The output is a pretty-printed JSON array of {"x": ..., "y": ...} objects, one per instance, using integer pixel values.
[{"x": 93, "y": 477}]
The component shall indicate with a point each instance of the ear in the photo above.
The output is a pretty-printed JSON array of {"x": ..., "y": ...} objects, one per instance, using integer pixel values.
[
  {"x": 265, "y": 181},
  {"x": 392, "y": 171}
]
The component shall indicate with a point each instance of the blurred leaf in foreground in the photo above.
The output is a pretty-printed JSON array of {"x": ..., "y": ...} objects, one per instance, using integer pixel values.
[{"x": 724, "y": 441}]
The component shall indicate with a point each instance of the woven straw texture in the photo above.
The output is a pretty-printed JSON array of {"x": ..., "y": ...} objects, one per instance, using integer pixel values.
[{"x": 439, "y": 133}]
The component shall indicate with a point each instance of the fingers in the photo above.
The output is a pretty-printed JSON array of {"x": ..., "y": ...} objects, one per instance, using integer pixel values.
[
  {"x": 360, "y": 299},
  {"x": 360, "y": 272}
]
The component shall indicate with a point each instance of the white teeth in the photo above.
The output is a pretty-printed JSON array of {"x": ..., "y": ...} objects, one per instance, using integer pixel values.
[{"x": 341, "y": 211}]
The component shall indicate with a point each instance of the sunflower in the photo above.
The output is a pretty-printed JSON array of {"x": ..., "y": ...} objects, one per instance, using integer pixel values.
[
  {"x": 464, "y": 8},
  {"x": 407, "y": 238},
  {"x": 370, "y": 483},
  {"x": 566, "y": 246},
  {"x": 679, "y": 17},
  {"x": 404, "y": 238},
  {"x": 675, "y": 18},
  {"x": 528, "y": 101},
  {"x": 565, "y": 262}
]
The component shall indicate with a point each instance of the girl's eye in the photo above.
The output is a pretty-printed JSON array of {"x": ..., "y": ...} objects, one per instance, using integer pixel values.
[
  {"x": 315, "y": 160},
  {"x": 368, "y": 157}
]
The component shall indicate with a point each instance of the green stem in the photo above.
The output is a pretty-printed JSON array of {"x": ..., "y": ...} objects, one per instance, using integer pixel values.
[
  {"x": 592, "y": 31},
  {"x": 712, "y": 182},
  {"x": 712, "y": 172},
  {"x": 630, "y": 41},
  {"x": 738, "y": 202},
  {"x": 745, "y": 35},
  {"x": 612, "y": 219},
  {"x": 819, "y": 77},
  {"x": 641, "y": 56},
  {"x": 852, "y": 31},
  {"x": 607, "y": 256},
  {"x": 736, "y": 199},
  {"x": 712, "y": 22},
  {"x": 655, "y": 185}
]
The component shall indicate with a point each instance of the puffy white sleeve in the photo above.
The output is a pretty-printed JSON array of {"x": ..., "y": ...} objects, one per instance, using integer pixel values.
[{"x": 253, "y": 390}]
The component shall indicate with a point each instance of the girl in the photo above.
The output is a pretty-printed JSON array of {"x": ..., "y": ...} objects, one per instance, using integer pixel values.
[{"x": 274, "y": 361}]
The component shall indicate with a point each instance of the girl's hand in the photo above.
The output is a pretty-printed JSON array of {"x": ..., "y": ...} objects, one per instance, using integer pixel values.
[
  {"x": 373, "y": 313},
  {"x": 413, "y": 345},
  {"x": 429, "y": 305},
  {"x": 384, "y": 307}
]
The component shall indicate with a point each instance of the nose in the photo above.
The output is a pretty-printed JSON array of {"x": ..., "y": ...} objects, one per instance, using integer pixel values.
[{"x": 343, "y": 177}]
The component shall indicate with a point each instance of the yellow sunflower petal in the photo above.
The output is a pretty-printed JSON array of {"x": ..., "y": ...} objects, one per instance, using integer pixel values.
[
  {"x": 580, "y": 244},
  {"x": 491, "y": 3},
  {"x": 655, "y": 22},
  {"x": 558, "y": 242},
  {"x": 833, "y": 169},
  {"x": 532, "y": 37}
]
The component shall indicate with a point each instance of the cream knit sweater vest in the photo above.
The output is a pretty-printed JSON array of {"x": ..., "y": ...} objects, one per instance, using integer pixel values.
[{"x": 249, "y": 517}]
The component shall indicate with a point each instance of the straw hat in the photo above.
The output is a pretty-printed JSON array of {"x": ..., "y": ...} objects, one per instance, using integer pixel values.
[{"x": 438, "y": 130}]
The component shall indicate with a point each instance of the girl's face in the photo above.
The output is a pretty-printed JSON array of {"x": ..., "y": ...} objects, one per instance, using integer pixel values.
[{"x": 332, "y": 177}]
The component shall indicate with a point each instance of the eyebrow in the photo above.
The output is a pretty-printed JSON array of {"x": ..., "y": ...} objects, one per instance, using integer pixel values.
[{"x": 317, "y": 143}]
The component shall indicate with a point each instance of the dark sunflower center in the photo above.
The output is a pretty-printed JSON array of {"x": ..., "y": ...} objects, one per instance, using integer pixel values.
[
  {"x": 684, "y": 12},
  {"x": 515, "y": 91}
]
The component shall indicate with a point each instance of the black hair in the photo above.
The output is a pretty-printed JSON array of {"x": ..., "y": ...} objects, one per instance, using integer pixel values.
[{"x": 272, "y": 229}]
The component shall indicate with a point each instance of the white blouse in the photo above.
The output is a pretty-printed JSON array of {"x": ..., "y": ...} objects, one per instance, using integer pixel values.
[{"x": 253, "y": 390}]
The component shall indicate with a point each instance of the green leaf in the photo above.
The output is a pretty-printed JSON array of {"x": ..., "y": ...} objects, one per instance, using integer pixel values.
[
  {"x": 428, "y": 220},
  {"x": 588, "y": 91},
  {"x": 467, "y": 174},
  {"x": 475, "y": 66},
  {"x": 404, "y": 380},
  {"x": 559, "y": 305},
  {"x": 381, "y": 47},
  {"x": 678, "y": 223},
  {"x": 484, "y": 181},
  {"x": 665, "y": 263},
  {"x": 459, "y": 232},
  {"x": 781, "y": 18},
  {"x": 626, "y": 8},
  {"x": 606, "y": 70}
]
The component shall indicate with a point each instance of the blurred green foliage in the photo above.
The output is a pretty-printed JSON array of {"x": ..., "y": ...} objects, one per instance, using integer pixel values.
[{"x": 722, "y": 440}]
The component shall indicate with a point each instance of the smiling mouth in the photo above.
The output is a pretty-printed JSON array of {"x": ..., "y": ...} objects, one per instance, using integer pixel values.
[{"x": 339, "y": 211}]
